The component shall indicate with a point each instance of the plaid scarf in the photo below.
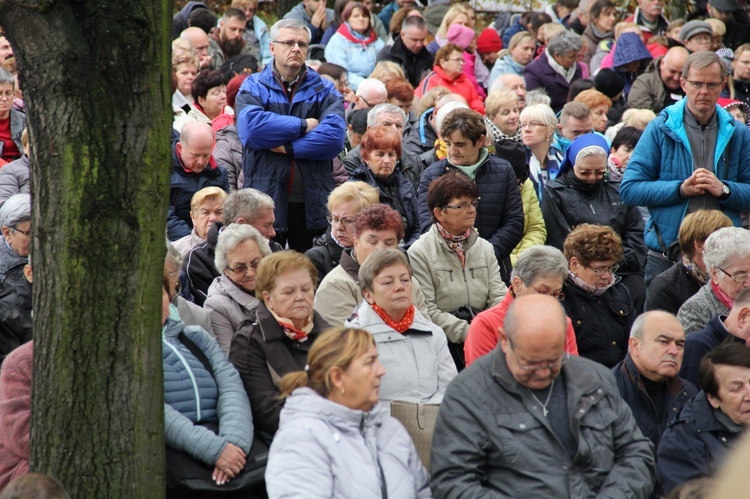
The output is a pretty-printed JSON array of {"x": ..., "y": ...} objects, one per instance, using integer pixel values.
[
  {"x": 292, "y": 332},
  {"x": 401, "y": 326},
  {"x": 456, "y": 243}
]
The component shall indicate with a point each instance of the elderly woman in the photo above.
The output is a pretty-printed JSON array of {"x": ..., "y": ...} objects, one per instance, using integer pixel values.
[
  {"x": 541, "y": 270},
  {"x": 15, "y": 220},
  {"x": 500, "y": 211},
  {"x": 726, "y": 254},
  {"x": 12, "y": 122},
  {"x": 417, "y": 358},
  {"x": 190, "y": 313},
  {"x": 376, "y": 227},
  {"x": 355, "y": 45},
  {"x": 334, "y": 432},
  {"x": 602, "y": 20},
  {"x": 184, "y": 70},
  {"x": 209, "y": 93},
  {"x": 581, "y": 195},
  {"x": 206, "y": 411},
  {"x": 278, "y": 334},
  {"x": 456, "y": 269},
  {"x": 503, "y": 114},
  {"x": 599, "y": 104},
  {"x": 231, "y": 297},
  {"x": 673, "y": 287},
  {"x": 448, "y": 72},
  {"x": 537, "y": 127},
  {"x": 555, "y": 69},
  {"x": 518, "y": 55},
  {"x": 206, "y": 208},
  {"x": 344, "y": 203},
  {"x": 595, "y": 300},
  {"x": 381, "y": 150}
]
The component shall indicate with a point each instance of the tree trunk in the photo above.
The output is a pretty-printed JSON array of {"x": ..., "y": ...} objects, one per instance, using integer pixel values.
[{"x": 95, "y": 76}]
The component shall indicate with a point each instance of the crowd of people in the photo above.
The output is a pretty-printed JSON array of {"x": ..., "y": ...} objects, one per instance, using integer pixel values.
[{"x": 537, "y": 230}]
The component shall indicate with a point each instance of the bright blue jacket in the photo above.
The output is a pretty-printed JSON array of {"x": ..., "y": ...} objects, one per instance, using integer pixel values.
[
  {"x": 266, "y": 119},
  {"x": 662, "y": 161}
]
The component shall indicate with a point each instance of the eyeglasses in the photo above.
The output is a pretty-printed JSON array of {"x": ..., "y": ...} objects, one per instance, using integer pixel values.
[
  {"x": 24, "y": 232},
  {"x": 610, "y": 270},
  {"x": 7, "y": 95},
  {"x": 559, "y": 295},
  {"x": 241, "y": 268},
  {"x": 335, "y": 220},
  {"x": 289, "y": 44},
  {"x": 710, "y": 85},
  {"x": 462, "y": 206},
  {"x": 541, "y": 366},
  {"x": 738, "y": 277},
  {"x": 589, "y": 173},
  {"x": 532, "y": 124}
]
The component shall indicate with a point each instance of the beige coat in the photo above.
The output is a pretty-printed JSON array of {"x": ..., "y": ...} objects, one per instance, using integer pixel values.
[{"x": 447, "y": 286}]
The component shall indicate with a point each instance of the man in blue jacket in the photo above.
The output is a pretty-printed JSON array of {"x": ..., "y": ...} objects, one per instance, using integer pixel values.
[
  {"x": 693, "y": 156},
  {"x": 291, "y": 123}
]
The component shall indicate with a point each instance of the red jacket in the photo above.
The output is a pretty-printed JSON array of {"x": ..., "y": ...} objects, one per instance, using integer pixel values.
[
  {"x": 483, "y": 336},
  {"x": 461, "y": 85},
  {"x": 15, "y": 409}
]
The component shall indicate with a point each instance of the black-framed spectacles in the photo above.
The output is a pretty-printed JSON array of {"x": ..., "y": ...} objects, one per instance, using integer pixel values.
[
  {"x": 291, "y": 43},
  {"x": 462, "y": 206},
  {"x": 334, "y": 220},
  {"x": 738, "y": 277},
  {"x": 241, "y": 268},
  {"x": 26, "y": 233},
  {"x": 541, "y": 366}
]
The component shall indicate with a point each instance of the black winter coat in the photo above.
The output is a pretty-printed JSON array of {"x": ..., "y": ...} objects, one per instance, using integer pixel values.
[
  {"x": 670, "y": 289},
  {"x": 699, "y": 343},
  {"x": 602, "y": 323},
  {"x": 325, "y": 254},
  {"x": 569, "y": 202},
  {"x": 500, "y": 213},
  {"x": 414, "y": 65},
  {"x": 410, "y": 169},
  {"x": 15, "y": 317},
  {"x": 420, "y": 138}
]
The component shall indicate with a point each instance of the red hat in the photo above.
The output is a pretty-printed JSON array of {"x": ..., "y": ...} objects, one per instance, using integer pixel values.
[
  {"x": 233, "y": 87},
  {"x": 489, "y": 41}
]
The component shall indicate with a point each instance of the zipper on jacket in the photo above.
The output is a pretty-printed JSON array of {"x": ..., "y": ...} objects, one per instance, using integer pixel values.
[
  {"x": 374, "y": 452},
  {"x": 192, "y": 378}
]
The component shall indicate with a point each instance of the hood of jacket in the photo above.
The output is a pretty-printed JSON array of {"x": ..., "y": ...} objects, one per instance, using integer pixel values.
[
  {"x": 306, "y": 403},
  {"x": 674, "y": 127},
  {"x": 630, "y": 48},
  {"x": 346, "y": 31}
]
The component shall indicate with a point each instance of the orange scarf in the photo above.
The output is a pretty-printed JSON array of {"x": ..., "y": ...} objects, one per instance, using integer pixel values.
[{"x": 400, "y": 326}]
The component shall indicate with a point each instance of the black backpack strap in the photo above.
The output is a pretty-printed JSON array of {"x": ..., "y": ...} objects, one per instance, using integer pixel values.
[{"x": 197, "y": 352}]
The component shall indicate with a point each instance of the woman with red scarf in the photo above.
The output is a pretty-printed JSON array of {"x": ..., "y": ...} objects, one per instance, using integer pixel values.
[
  {"x": 355, "y": 45},
  {"x": 726, "y": 254},
  {"x": 413, "y": 350},
  {"x": 278, "y": 333}
]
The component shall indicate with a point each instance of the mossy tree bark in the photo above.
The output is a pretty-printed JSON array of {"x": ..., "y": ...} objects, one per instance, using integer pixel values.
[{"x": 95, "y": 76}]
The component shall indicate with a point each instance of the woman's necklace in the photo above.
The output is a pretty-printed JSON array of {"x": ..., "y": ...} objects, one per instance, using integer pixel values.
[{"x": 549, "y": 396}]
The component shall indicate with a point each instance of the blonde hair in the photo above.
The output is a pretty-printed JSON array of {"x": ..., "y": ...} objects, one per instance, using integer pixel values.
[
  {"x": 515, "y": 41},
  {"x": 638, "y": 118},
  {"x": 207, "y": 194},
  {"x": 621, "y": 27},
  {"x": 717, "y": 26},
  {"x": 384, "y": 68},
  {"x": 497, "y": 98},
  {"x": 276, "y": 264},
  {"x": 429, "y": 99},
  {"x": 25, "y": 137},
  {"x": 182, "y": 53},
  {"x": 362, "y": 194},
  {"x": 449, "y": 17},
  {"x": 337, "y": 347},
  {"x": 550, "y": 30},
  {"x": 239, "y": 4}
]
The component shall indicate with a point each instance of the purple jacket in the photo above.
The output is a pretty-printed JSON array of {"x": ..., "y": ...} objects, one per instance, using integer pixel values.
[{"x": 539, "y": 74}]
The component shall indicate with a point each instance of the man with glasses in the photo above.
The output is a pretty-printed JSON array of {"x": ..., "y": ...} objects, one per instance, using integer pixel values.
[
  {"x": 693, "y": 156},
  {"x": 291, "y": 123},
  {"x": 528, "y": 420}
]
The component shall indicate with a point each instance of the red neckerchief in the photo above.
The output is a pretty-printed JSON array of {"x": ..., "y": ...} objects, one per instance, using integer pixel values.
[
  {"x": 344, "y": 31},
  {"x": 456, "y": 243},
  {"x": 721, "y": 295},
  {"x": 400, "y": 326},
  {"x": 292, "y": 332}
]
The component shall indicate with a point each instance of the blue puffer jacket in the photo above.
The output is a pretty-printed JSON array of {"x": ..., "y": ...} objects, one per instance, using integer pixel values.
[
  {"x": 662, "y": 161},
  {"x": 192, "y": 395},
  {"x": 500, "y": 212},
  {"x": 266, "y": 119},
  {"x": 182, "y": 186}
]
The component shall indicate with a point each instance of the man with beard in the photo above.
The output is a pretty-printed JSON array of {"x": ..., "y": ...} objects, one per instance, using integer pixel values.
[{"x": 227, "y": 41}]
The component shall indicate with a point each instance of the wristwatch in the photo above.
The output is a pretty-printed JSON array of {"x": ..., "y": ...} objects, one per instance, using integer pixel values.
[{"x": 725, "y": 193}]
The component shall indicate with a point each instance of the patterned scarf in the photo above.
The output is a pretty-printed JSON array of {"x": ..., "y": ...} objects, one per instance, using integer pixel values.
[
  {"x": 401, "y": 326},
  {"x": 594, "y": 290},
  {"x": 292, "y": 332},
  {"x": 721, "y": 295},
  {"x": 614, "y": 170},
  {"x": 694, "y": 270},
  {"x": 455, "y": 243},
  {"x": 497, "y": 134}
]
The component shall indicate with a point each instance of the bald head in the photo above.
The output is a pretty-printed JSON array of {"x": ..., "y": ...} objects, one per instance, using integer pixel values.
[
  {"x": 657, "y": 345},
  {"x": 671, "y": 65},
  {"x": 199, "y": 40},
  {"x": 195, "y": 146}
]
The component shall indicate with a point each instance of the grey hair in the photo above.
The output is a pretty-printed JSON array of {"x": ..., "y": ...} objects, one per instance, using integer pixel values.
[
  {"x": 540, "y": 261},
  {"x": 232, "y": 236},
  {"x": 173, "y": 255},
  {"x": 724, "y": 245},
  {"x": 538, "y": 96},
  {"x": 371, "y": 86},
  {"x": 590, "y": 151},
  {"x": 16, "y": 210},
  {"x": 247, "y": 204},
  {"x": 703, "y": 59},
  {"x": 7, "y": 78},
  {"x": 385, "y": 108},
  {"x": 565, "y": 43},
  {"x": 376, "y": 262},
  {"x": 413, "y": 22},
  {"x": 639, "y": 325},
  {"x": 445, "y": 110},
  {"x": 539, "y": 112},
  {"x": 289, "y": 24}
]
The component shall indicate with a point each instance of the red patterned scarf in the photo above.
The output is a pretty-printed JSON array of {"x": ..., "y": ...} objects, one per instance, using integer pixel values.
[
  {"x": 456, "y": 243},
  {"x": 291, "y": 331},
  {"x": 721, "y": 295},
  {"x": 400, "y": 326}
]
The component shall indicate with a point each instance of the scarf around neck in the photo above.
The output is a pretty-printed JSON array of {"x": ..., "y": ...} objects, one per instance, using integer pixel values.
[
  {"x": 471, "y": 170},
  {"x": 401, "y": 326},
  {"x": 292, "y": 332},
  {"x": 568, "y": 74},
  {"x": 353, "y": 36},
  {"x": 456, "y": 243},
  {"x": 694, "y": 270},
  {"x": 498, "y": 134},
  {"x": 594, "y": 290},
  {"x": 721, "y": 295},
  {"x": 614, "y": 170}
]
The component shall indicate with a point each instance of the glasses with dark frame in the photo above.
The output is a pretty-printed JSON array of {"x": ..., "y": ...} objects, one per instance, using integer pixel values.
[
  {"x": 540, "y": 366},
  {"x": 241, "y": 268},
  {"x": 737, "y": 277},
  {"x": 26, "y": 233},
  {"x": 291, "y": 43}
]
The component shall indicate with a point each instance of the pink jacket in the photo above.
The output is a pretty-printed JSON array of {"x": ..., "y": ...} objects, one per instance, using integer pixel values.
[{"x": 15, "y": 409}]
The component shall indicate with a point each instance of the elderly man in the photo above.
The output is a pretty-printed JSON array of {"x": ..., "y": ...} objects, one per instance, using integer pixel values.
[
  {"x": 370, "y": 93},
  {"x": 513, "y": 82},
  {"x": 527, "y": 420},
  {"x": 409, "y": 50},
  {"x": 691, "y": 157},
  {"x": 421, "y": 138},
  {"x": 200, "y": 42},
  {"x": 246, "y": 206},
  {"x": 659, "y": 86},
  {"x": 193, "y": 168},
  {"x": 291, "y": 122},
  {"x": 710, "y": 423},
  {"x": 575, "y": 120},
  {"x": 696, "y": 36},
  {"x": 314, "y": 15},
  {"x": 228, "y": 40},
  {"x": 15, "y": 221},
  {"x": 648, "y": 16}
]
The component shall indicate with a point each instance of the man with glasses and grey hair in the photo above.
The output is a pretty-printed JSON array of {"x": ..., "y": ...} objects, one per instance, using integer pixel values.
[
  {"x": 291, "y": 123},
  {"x": 692, "y": 157},
  {"x": 529, "y": 420}
]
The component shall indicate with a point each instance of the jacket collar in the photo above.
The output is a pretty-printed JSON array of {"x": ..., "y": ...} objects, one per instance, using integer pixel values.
[
  {"x": 708, "y": 419},
  {"x": 270, "y": 329},
  {"x": 470, "y": 241},
  {"x": 674, "y": 385},
  {"x": 305, "y": 402},
  {"x": 349, "y": 265},
  {"x": 368, "y": 319},
  {"x": 675, "y": 114},
  {"x": 244, "y": 298}
]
